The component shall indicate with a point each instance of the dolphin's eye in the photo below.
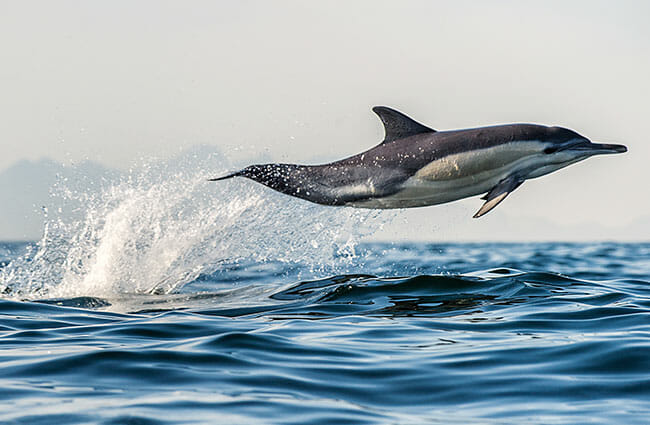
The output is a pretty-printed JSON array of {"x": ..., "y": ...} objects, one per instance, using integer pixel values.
[{"x": 550, "y": 150}]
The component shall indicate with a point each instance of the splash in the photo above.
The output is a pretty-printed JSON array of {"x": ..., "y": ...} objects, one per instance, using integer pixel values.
[{"x": 157, "y": 228}]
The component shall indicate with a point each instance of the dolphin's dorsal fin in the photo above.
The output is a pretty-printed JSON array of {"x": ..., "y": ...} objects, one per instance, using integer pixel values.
[{"x": 397, "y": 125}]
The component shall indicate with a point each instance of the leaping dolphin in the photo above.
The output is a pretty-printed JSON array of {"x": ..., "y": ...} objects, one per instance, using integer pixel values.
[{"x": 416, "y": 166}]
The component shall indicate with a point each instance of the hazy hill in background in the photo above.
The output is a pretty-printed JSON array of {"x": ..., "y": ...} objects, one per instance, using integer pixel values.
[{"x": 25, "y": 193}]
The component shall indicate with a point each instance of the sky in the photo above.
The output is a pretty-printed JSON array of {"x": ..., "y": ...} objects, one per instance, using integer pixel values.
[{"x": 115, "y": 82}]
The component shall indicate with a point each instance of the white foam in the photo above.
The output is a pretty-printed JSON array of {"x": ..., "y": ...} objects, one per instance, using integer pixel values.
[{"x": 163, "y": 225}]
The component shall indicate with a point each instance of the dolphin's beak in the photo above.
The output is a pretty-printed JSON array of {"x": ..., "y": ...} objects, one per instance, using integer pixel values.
[
  {"x": 597, "y": 148},
  {"x": 610, "y": 148}
]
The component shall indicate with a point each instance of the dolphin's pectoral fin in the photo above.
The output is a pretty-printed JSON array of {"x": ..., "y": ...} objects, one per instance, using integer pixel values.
[
  {"x": 397, "y": 125},
  {"x": 498, "y": 194}
]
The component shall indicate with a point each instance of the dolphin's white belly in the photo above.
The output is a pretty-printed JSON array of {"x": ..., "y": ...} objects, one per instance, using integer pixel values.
[{"x": 460, "y": 176}]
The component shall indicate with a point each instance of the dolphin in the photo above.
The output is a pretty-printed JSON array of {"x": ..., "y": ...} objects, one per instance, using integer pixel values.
[{"x": 416, "y": 166}]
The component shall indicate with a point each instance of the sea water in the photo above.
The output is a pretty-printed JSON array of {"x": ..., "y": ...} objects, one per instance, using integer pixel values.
[{"x": 165, "y": 300}]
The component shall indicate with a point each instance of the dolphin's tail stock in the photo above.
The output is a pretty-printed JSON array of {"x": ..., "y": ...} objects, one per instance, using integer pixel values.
[
  {"x": 281, "y": 177},
  {"x": 291, "y": 179},
  {"x": 268, "y": 174}
]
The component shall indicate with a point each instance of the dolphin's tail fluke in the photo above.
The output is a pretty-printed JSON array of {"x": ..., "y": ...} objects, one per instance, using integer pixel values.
[{"x": 227, "y": 176}]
